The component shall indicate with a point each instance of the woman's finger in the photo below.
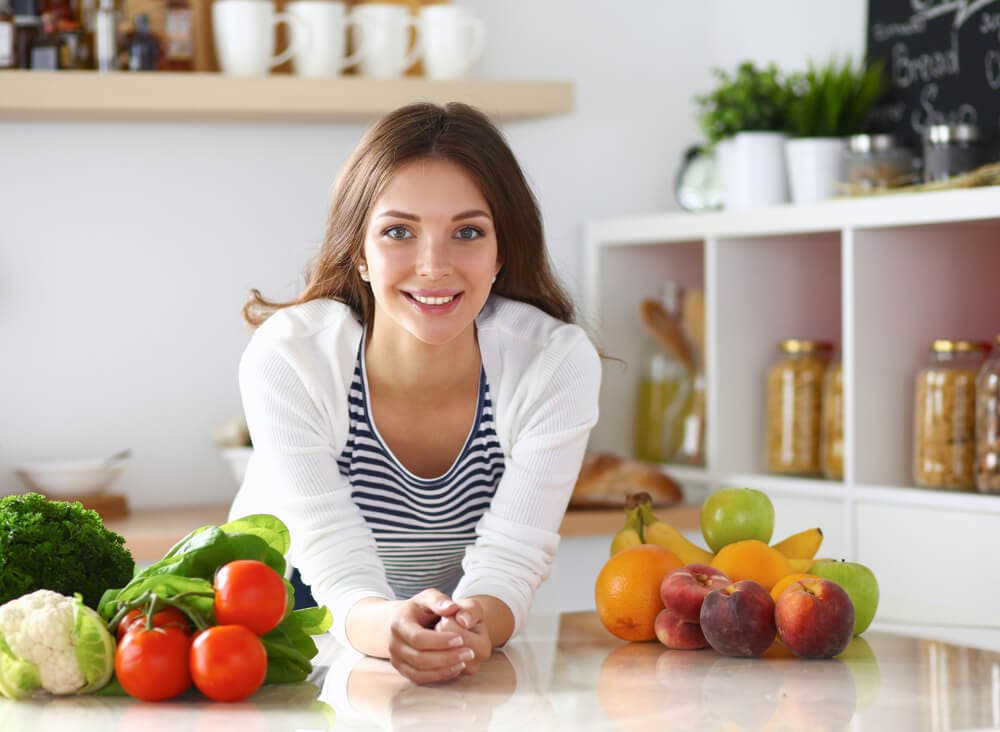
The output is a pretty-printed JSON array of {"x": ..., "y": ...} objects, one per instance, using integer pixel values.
[
  {"x": 413, "y": 634},
  {"x": 469, "y": 614},
  {"x": 427, "y": 676},
  {"x": 435, "y": 602}
]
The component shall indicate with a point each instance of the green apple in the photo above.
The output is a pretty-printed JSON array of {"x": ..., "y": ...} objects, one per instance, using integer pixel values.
[
  {"x": 735, "y": 514},
  {"x": 860, "y": 583}
]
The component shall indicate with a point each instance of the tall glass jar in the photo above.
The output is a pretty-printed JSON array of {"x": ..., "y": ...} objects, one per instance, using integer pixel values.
[
  {"x": 831, "y": 449},
  {"x": 794, "y": 406},
  {"x": 988, "y": 423},
  {"x": 945, "y": 415}
]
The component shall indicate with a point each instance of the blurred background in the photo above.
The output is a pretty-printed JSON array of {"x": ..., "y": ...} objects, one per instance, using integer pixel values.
[{"x": 128, "y": 248}]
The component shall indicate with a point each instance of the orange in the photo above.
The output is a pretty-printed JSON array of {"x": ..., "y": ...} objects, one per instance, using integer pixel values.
[
  {"x": 627, "y": 592},
  {"x": 753, "y": 560},
  {"x": 782, "y": 584}
]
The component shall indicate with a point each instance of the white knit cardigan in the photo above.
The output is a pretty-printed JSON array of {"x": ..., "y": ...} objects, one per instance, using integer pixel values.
[{"x": 544, "y": 377}]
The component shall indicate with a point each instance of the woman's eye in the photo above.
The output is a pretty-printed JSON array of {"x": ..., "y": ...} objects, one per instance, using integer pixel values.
[
  {"x": 396, "y": 232},
  {"x": 469, "y": 233}
]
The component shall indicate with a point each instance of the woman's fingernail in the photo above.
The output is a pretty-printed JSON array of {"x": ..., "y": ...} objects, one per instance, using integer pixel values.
[
  {"x": 458, "y": 668},
  {"x": 456, "y": 641},
  {"x": 444, "y": 604},
  {"x": 467, "y": 654},
  {"x": 465, "y": 619}
]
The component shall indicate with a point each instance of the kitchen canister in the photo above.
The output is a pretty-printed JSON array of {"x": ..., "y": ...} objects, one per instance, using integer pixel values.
[
  {"x": 831, "y": 449},
  {"x": 794, "y": 406},
  {"x": 944, "y": 414},
  {"x": 952, "y": 149},
  {"x": 988, "y": 423}
]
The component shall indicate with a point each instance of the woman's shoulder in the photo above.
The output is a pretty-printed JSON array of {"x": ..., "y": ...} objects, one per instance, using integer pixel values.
[
  {"x": 517, "y": 322},
  {"x": 308, "y": 320}
]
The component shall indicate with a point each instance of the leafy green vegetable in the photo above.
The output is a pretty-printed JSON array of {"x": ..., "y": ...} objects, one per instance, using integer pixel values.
[
  {"x": 188, "y": 569},
  {"x": 58, "y": 546}
]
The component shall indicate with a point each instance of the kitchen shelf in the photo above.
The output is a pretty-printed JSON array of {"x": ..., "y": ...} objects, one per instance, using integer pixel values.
[
  {"x": 214, "y": 97},
  {"x": 880, "y": 276}
]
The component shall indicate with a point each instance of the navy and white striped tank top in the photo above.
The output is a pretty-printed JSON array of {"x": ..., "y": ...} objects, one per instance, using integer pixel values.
[{"x": 421, "y": 525}]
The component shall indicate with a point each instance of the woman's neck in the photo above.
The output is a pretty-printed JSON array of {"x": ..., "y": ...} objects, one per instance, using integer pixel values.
[{"x": 406, "y": 367}]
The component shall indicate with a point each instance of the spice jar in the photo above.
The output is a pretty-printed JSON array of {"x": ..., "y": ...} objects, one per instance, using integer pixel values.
[
  {"x": 945, "y": 415},
  {"x": 877, "y": 161},
  {"x": 794, "y": 406},
  {"x": 831, "y": 448},
  {"x": 952, "y": 149},
  {"x": 988, "y": 424}
]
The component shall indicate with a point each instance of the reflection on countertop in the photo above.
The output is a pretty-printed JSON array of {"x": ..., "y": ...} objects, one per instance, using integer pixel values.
[{"x": 567, "y": 672}]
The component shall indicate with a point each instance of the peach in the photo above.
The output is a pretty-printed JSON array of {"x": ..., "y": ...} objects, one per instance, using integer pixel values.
[
  {"x": 677, "y": 633},
  {"x": 683, "y": 590},
  {"x": 815, "y": 618},
  {"x": 738, "y": 620}
]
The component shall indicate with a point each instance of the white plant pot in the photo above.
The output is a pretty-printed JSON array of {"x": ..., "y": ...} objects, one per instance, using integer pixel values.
[
  {"x": 816, "y": 167},
  {"x": 752, "y": 167}
]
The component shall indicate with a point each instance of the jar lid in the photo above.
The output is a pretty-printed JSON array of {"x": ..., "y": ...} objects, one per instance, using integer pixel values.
[
  {"x": 802, "y": 345},
  {"x": 945, "y": 134},
  {"x": 945, "y": 345},
  {"x": 871, "y": 143}
]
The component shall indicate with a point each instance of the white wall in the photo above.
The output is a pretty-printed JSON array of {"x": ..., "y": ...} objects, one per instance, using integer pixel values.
[{"x": 126, "y": 249}]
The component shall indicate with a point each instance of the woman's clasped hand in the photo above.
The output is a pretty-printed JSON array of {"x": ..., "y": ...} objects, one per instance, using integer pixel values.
[{"x": 434, "y": 638}]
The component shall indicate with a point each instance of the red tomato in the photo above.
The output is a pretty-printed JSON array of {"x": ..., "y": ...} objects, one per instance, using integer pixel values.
[
  {"x": 168, "y": 617},
  {"x": 249, "y": 593},
  {"x": 153, "y": 664},
  {"x": 228, "y": 662}
]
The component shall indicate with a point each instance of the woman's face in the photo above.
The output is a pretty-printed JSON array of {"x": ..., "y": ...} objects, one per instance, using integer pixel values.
[{"x": 431, "y": 252}]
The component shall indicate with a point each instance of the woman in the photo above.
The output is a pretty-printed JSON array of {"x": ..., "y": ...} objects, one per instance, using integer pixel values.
[{"x": 420, "y": 412}]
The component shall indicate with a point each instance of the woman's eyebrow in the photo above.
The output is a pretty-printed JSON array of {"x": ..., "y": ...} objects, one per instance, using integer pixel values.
[{"x": 413, "y": 217}]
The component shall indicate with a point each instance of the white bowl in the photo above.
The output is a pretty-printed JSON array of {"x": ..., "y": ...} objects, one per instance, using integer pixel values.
[
  {"x": 69, "y": 478},
  {"x": 237, "y": 459}
]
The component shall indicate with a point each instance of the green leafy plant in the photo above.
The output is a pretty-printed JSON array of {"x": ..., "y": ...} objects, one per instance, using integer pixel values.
[
  {"x": 834, "y": 100},
  {"x": 752, "y": 99}
]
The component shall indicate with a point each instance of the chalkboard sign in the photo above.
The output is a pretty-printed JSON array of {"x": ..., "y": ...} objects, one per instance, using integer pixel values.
[{"x": 942, "y": 58}]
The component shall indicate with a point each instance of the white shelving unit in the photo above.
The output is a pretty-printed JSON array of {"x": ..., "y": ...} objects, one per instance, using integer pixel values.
[{"x": 881, "y": 277}]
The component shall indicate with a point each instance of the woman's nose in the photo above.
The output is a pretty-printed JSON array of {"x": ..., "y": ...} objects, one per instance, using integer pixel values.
[{"x": 433, "y": 259}]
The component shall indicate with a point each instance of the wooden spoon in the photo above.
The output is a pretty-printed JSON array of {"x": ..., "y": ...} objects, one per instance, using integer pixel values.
[{"x": 667, "y": 331}]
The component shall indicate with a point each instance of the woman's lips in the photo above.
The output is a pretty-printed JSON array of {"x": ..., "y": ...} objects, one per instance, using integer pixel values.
[{"x": 427, "y": 302}]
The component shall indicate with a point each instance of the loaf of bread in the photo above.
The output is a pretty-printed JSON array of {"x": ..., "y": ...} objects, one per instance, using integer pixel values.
[{"x": 606, "y": 479}]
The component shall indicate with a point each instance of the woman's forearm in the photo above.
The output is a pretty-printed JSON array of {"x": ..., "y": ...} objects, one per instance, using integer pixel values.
[{"x": 367, "y": 626}]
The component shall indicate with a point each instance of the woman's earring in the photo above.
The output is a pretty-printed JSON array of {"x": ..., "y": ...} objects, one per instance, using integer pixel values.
[{"x": 363, "y": 271}]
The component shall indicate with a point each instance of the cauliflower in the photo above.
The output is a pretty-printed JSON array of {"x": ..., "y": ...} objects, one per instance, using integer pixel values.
[{"x": 55, "y": 643}]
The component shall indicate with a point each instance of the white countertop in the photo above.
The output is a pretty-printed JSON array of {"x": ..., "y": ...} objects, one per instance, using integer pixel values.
[{"x": 567, "y": 672}]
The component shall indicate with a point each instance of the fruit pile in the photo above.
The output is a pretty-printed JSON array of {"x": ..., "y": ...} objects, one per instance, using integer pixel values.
[{"x": 741, "y": 596}]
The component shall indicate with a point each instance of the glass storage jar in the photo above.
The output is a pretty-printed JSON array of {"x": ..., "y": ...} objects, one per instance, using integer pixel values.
[
  {"x": 877, "y": 161},
  {"x": 988, "y": 423},
  {"x": 950, "y": 150},
  {"x": 831, "y": 449},
  {"x": 794, "y": 406},
  {"x": 945, "y": 415}
]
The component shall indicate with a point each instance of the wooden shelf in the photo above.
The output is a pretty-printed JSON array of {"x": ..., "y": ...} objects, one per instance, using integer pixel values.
[
  {"x": 150, "y": 533},
  {"x": 213, "y": 97}
]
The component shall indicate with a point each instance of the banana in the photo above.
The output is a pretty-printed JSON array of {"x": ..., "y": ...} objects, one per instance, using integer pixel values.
[
  {"x": 631, "y": 534},
  {"x": 662, "y": 533},
  {"x": 802, "y": 545},
  {"x": 801, "y": 566}
]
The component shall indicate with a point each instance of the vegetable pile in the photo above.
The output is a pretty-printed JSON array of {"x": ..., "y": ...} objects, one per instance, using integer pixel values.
[
  {"x": 226, "y": 584},
  {"x": 58, "y": 546},
  {"x": 215, "y": 612}
]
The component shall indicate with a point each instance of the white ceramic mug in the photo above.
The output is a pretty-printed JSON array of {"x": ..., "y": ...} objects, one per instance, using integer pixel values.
[
  {"x": 327, "y": 22},
  {"x": 382, "y": 31},
  {"x": 244, "y": 36},
  {"x": 453, "y": 40}
]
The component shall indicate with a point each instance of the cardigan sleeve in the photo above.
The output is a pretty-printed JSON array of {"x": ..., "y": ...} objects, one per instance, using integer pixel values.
[
  {"x": 294, "y": 475},
  {"x": 518, "y": 536}
]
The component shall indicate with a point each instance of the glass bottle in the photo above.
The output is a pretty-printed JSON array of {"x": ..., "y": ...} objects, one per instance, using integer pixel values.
[
  {"x": 945, "y": 415},
  {"x": 27, "y": 26},
  {"x": 74, "y": 52},
  {"x": 143, "y": 50},
  {"x": 179, "y": 38},
  {"x": 106, "y": 43},
  {"x": 794, "y": 406},
  {"x": 45, "y": 49},
  {"x": 6, "y": 36},
  {"x": 831, "y": 450},
  {"x": 988, "y": 423},
  {"x": 665, "y": 387}
]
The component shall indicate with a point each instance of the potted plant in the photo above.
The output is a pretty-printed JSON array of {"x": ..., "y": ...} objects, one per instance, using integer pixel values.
[
  {"x": 745, "y": 118},
  {"x": 828, "y": 104}
]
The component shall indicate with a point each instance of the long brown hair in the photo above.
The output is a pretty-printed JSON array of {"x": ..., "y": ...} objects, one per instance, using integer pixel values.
[{"x": 459, "y": 134}]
